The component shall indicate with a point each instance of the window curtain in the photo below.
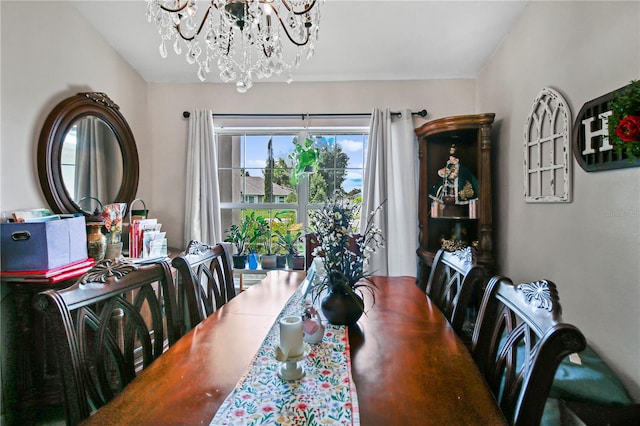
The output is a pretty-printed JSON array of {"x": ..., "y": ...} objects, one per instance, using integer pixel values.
[
  {"x": 98, "y": 163},
  {"x": 391, "y": 174},
  {"x": 202, "y": 205}
]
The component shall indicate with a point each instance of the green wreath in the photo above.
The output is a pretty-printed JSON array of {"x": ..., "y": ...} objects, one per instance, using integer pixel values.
[{"x": 624, "y": 122}]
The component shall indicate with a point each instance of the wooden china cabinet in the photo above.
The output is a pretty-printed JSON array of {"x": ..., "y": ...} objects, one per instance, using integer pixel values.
[{"x": 466, "y": 215}]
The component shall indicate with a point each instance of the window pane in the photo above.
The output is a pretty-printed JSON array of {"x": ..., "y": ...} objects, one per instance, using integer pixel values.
[
  {"x": 256, "y": 151},
  {"x": 231, "y": 185},
  {"x": 229, "y": 153},
  {"x": 353, "y": 147},
  {"x": 327, "y": 184},
  {"x": 255, "y": 171},
  {"x": 352, "y": 186}
]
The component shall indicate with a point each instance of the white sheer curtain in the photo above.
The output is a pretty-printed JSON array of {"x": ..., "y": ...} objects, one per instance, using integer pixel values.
[
  {"x": 98, "y": 172},
  {"x": 391, "y": 175},
  {"x": 202, "y": 220}
]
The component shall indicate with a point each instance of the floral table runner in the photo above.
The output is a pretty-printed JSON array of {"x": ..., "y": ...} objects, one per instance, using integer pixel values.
[{"x": 325, "y": 395}]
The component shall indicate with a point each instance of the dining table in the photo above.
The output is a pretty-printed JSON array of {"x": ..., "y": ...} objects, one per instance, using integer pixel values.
[{"x": 407, "y": 364}]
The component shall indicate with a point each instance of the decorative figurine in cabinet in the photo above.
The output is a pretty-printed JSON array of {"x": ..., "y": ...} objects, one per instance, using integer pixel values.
[{"x": 455, "y": 197}]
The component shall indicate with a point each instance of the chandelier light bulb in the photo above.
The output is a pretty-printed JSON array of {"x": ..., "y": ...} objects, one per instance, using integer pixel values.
[
  {"x": 245, "y": 37},
  {"x": 192, "y": 9}
]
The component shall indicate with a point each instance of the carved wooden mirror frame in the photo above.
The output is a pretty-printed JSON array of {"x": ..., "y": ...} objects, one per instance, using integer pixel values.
[{"x": 58, "y": 123}]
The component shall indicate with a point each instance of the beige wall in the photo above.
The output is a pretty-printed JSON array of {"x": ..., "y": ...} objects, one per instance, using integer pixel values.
[
  {"x": 49, "y": 53},
  {"x": 583, "y": 50},
  {"x": 169, "y": 129}
]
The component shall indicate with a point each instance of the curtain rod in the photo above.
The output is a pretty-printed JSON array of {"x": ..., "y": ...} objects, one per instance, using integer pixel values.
[{"x": 422, "y": 113}]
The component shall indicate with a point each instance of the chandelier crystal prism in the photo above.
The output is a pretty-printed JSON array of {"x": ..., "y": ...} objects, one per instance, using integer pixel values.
[{"x": 244, "y": 38}]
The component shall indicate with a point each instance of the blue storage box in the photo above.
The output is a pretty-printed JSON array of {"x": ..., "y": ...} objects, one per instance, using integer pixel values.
[{"x": 39, "y": 246}]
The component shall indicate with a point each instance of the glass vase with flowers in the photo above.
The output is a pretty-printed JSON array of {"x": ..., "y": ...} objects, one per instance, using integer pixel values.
[
  {"x": 345, "y": 254},
  {"x": 112, "y": 215}
]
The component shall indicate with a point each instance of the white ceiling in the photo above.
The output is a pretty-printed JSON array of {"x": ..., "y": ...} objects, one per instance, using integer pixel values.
[{"x": 359, "y": 39}]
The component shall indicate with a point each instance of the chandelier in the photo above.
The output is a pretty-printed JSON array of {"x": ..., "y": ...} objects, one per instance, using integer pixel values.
[{"x": 244, "y": 38}]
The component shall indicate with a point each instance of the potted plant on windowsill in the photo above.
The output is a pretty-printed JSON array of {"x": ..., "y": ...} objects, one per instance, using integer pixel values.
[
  {"x": 258, "y": 230},
  {"x": 238, "y": 236},
  {"x": 269, "y": 257},
  {"x": 281, "y": 258},
  {"x": 289, "y": 239}
]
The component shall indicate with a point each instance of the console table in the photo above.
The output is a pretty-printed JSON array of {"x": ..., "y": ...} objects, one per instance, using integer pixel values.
[{"x": 29, "y": 375}]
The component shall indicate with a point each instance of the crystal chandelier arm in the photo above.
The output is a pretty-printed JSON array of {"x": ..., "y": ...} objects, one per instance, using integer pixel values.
[
  {"x": 302, "y": 12},
  {"x": 177, "y": 9},
  {"x": 285, "y": 27},
  {"x": 264, "y": 47},
  {"x": 204, "y": 20}
]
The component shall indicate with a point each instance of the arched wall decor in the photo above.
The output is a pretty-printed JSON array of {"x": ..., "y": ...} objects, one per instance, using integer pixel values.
[{"x": 547, "y": 149}]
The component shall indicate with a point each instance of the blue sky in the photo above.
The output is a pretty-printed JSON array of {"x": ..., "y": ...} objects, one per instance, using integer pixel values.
[{"x": 256, "y": 154}]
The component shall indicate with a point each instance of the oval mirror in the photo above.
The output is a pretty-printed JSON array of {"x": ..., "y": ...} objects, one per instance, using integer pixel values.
[{"x": 87, "y": 155}]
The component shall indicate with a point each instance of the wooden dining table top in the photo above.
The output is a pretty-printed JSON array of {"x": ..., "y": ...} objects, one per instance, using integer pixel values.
[{"x": 408, "y": 365}]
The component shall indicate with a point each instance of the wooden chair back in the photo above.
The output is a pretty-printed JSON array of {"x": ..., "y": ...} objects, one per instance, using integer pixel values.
[
  {"x": 311, "y": 242},
  {"x": 518, "y": 343},
  {"x": 453, "y": 279},
  {"x": 205, "y": 281},
  {"x": 106, "y": 328}
]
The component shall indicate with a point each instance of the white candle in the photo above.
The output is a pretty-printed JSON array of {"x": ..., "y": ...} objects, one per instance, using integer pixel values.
[{"x": 291, "y": 336}]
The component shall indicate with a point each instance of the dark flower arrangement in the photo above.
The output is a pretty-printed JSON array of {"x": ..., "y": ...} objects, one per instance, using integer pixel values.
[
  {"x": 344, "y": 262},
  {"x": 624, "y": 122}
]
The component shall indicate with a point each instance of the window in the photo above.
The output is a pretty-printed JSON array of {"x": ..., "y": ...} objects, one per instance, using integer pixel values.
[
  {"x": 255, "y": 169},
  {"x": 68, "y": 161}
]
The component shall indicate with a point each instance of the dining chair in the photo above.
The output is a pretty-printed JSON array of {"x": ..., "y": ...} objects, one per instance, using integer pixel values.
[
  {"x": 519, "y": 341},
  {"x": 453, "y": 281},
  {"x": 205, "y": 281},
  {"x": 106, "y": 328},
  {"x": 590, "y": 414}
]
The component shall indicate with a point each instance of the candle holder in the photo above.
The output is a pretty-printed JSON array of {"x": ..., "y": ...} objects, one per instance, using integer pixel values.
[{"x": 292, "y": 368}]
